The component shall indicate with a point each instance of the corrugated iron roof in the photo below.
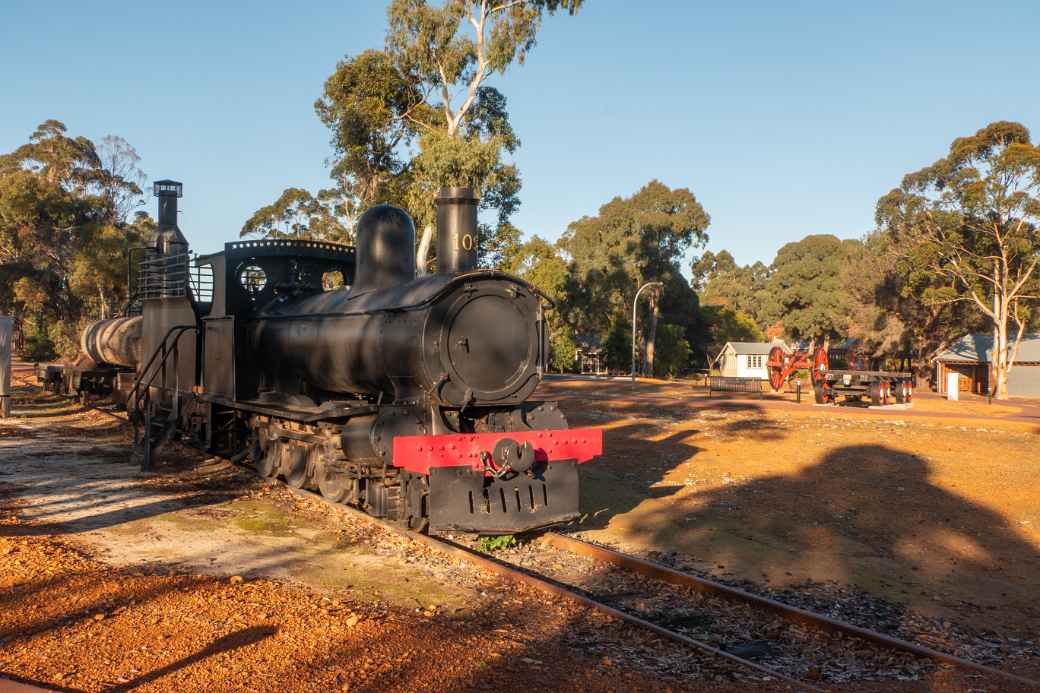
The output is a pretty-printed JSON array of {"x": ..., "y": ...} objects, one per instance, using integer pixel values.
[
  {"x": 977, "y": 347},
  {"x": 744, "y": 348}
]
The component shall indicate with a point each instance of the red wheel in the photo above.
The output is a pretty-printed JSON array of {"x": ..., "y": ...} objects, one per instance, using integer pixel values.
[
  {"x": 775, "y": 367},
  {"x": 821, "y": 364}
]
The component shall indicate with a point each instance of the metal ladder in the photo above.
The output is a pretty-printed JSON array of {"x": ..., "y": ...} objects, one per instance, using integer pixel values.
[{"x": 159, "y": 423}]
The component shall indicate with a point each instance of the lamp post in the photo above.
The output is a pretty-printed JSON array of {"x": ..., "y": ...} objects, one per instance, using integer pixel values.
[{"x": 635, "y": 301}]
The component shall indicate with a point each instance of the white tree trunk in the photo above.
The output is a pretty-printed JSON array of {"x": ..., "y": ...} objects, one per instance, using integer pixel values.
[{"x": 423, "y": 253}]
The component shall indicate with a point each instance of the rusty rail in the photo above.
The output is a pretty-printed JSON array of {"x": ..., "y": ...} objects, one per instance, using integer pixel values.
[
  {"x": 793, "y": 613},
  {"x": 518, "y": 576}
]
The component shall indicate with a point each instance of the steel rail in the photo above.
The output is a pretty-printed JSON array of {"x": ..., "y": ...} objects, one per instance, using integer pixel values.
[
  {"x": 650, "y": 569},
  {"x": 793, "y": 613},
  {"x": 543, "y": 584}
]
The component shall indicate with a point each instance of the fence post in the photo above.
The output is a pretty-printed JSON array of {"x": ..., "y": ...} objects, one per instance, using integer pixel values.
[
  {"x": 6, "y": 355},
  {"x": 798, "y": 391}
]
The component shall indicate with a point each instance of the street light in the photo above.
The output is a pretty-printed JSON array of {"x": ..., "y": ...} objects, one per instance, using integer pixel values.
[{"x": 634, "y": 302}]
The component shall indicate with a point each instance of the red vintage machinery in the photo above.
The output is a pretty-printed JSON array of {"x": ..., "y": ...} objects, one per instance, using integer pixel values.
[
  {"x": 781, "y": 365},
  {"x": 854, "y": 385}
]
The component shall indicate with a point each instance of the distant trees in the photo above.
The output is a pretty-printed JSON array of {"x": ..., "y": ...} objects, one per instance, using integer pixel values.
[
  {"x": 805, "y": 287},
  {"x": 724, "y": 325},
  {"x": 65, "y": 231},
  {"x": 541, "y": 263},
  {"x": 721, "y": 282},
  {"x": 298, "y": 214},
  {"x": 965, "y": 232},
  {"x": 807, "y": 284},
  {"x": 631, "y": 241}
]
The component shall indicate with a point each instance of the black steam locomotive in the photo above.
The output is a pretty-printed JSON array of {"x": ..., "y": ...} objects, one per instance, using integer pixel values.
[{"x": 406, "y": 396}]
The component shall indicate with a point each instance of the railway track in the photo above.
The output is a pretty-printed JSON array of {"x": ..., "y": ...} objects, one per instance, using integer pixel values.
[
  {"x": 663, "y": 574},
  {"x": 668, "y": 576},
  {"x": 549, "y": 586}
]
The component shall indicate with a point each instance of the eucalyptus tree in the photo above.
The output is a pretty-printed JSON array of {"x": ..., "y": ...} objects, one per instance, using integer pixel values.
[
  {"x": 631, "y": 241},
  {"x": 969, "y": 221},
  {"x": 450, "y": 50},
  {"x": 64, "y": 230}
]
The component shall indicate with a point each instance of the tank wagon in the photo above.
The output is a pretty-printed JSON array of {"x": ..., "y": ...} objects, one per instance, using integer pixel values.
[{"x": 407, "y": 396}]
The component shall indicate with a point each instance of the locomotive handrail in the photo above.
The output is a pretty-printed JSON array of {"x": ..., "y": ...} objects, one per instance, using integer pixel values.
[{"x": 134, "y": 397}]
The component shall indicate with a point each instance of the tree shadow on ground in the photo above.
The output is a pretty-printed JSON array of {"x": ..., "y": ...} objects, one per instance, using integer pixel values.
[
  {"x": 233, "y": 641},
  {"x": 866, "y": 515}
]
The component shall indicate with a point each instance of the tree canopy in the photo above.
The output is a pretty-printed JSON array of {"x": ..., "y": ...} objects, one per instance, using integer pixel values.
[
  {"x": 417, "y": 116},
  {"x": 965, "y": 229},
  {"x": 65, "y": 231},
  {"x": 631, "y": 241}
]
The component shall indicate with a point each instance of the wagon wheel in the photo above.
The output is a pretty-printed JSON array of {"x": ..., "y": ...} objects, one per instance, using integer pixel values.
[
  {"x": 333, "y": 483},
  {"x": 775, "y": 367},
  {"x": 875, "y": 394},
  {"x": 294, "y": 465},
  {"x": 821, "y": 364},
  {"x": 270, "y": 462}
]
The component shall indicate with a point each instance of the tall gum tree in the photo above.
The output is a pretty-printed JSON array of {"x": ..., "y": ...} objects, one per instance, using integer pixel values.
[
  {"x": 417, "y": 116},
  {"x": 973, "y": 217},
  {"x": 631, "y": 241},
  {"x": 449, "y": 51}
]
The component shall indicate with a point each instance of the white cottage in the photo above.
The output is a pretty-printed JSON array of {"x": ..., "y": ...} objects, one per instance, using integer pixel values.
[{"x": 746, "y": 359}]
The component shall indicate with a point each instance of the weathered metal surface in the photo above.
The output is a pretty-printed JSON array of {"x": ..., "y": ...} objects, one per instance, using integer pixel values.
[
  {"x": 386, "y": 249},
  {"x": 456, "y": 230},
  {"x": 462, "y": 499},
  {"x": 115, "y": 342},
  {"x": 420, "y": 454},
  {"x": 218, "y": 372},
  {"x": 427, "y": 337}
]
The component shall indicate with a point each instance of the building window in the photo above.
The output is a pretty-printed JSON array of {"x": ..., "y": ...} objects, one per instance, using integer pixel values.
[{"x": 754, "y": 361}]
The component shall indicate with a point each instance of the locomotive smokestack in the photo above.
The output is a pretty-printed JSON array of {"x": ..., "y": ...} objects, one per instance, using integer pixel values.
[
  {"x": 167, "y": 191},
  {"x": 456, "y": 230},
  {"x": 169, "y": 234}
]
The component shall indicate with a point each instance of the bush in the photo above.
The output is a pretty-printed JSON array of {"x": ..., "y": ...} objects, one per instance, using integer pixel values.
[
  {"x": 671, "y": 351},
  {"x": 618, "y": 347},
  {"x": 64, "y": 338},
  {"x": 38, "y": 347},
  {"x": 562, "y": 350},
  {"x": 490, "y": 544}
]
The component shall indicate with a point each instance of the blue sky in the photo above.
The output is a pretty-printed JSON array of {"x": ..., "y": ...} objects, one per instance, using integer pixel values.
[{"x": 784, "y": 119}]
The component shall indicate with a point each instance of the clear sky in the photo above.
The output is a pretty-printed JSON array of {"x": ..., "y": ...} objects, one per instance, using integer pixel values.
[{"x": 783, "y": 118}]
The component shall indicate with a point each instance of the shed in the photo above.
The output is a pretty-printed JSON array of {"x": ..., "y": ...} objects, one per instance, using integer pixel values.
[
  {"x": 746, "y": 359},
  {"x": 970, "y": 356}
]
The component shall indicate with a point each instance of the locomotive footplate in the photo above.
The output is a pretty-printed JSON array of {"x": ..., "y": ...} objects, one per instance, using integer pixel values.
[
  {"x": 465, "y": 500},
  {"x": 500, "y": 482}
]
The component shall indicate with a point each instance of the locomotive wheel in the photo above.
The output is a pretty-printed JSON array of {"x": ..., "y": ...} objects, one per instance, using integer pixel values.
[
  {"x": 775, "y": 367},
  {"x": 270, "y": 462},
  {"x": 875, "y": 394},
  {"x": 819, "y": 395},
  {"x": 821, "y": 364},
  {"x": 333, "y": 484},
  {"x": 314, "y": 464},
  {"x": 294, "y": 465}
]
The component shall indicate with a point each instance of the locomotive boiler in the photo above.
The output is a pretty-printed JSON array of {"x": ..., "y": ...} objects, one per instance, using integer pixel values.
[{"x": 407, "y": 396}]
